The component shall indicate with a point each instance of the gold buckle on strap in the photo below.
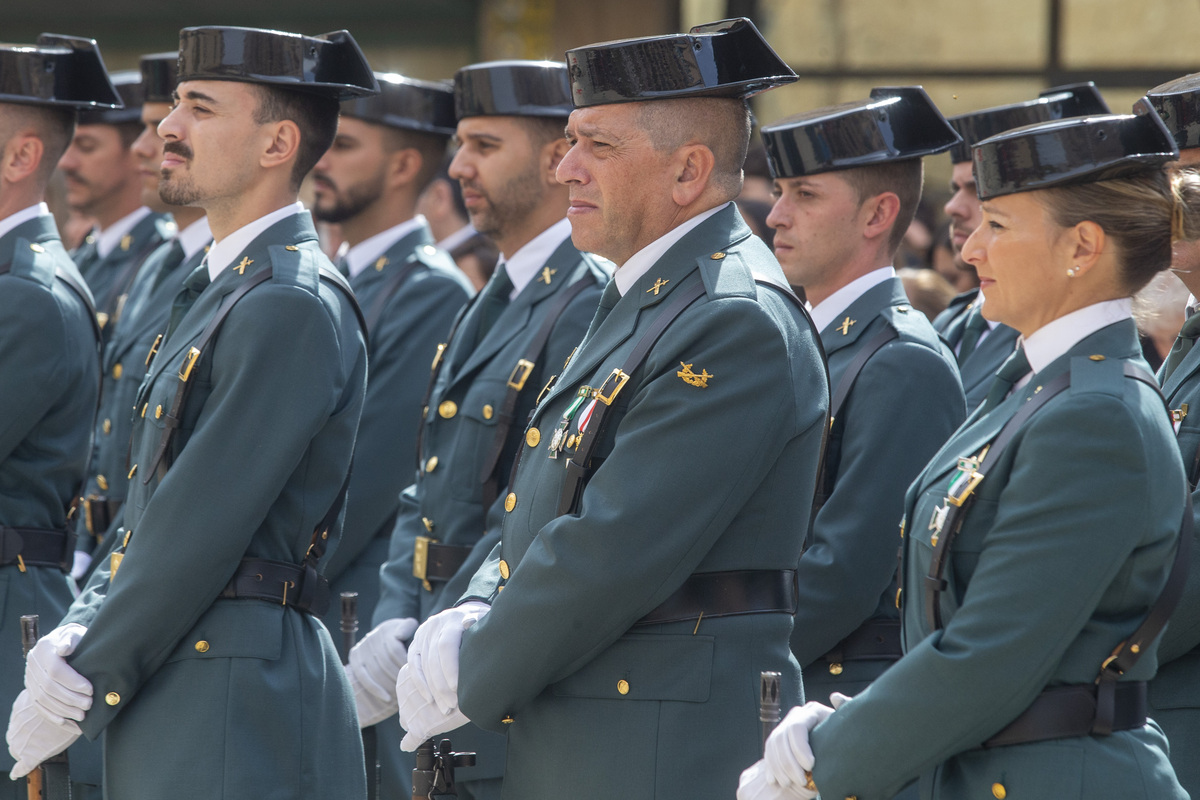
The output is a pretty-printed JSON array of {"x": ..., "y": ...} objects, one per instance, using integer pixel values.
[
  {"x": 189, "y": 362},
  {"x": 524, "y": 367},
  {"x": 967, "y": 491},
  {"x": 620, "y": 379},
  {"x": 437, "y": 357},
  {"x": 421, "y": 559}
]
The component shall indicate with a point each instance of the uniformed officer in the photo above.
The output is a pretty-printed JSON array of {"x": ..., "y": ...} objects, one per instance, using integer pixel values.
[
  {"x": 848, "y": 179},
  {"x": 1039, "y": 540},
  {"x": 210, "y": 610},
  {"x": 1174, "y": 697},
  {"x": 104, "y": 182},
  {"x": 646, "y": 570},
  {"x": 442, "y": 205},
  {"x": 49, "y": 344},
  {"x": 980, "y": 344},
  {"x": 146, "y": 310},
  {"x": 502, "y": 351}
]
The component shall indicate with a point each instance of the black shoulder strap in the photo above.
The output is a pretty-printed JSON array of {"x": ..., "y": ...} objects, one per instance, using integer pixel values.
[{"x": 389, "y": 289}]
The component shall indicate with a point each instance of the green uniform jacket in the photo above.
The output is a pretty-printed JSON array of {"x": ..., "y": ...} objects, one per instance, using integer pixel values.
[
  {"x": 49, "y": 379},
  {"x": 979, "y": 368},
  {"x": 1059, "y": 559},
  {"x": 905, "y": 403},
  {"x": 110, "y": 277},
  {"x": 474, "y": 380},
  {"x": 1175, "y": 691},
  {"x": 709, "y": 475},
  {"x": 262, "y": 450}
]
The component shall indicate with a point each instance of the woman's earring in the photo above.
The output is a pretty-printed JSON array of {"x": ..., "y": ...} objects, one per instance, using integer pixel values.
[{"x": 1072, "y": 272}]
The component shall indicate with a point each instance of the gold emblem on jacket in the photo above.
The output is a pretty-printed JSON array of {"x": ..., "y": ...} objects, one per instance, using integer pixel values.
[{"x": 692, "y": 378}]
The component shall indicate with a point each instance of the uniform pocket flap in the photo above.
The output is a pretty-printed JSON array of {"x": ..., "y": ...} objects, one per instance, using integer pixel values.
[
  {"x": 646, "y": 667},
  {"x": 235, "y": 629}
]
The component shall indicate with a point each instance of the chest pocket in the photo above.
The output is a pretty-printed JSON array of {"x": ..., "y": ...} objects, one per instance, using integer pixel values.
[
  {"x": 465, "y": 436},
  {"x": 153, "y": 410}
]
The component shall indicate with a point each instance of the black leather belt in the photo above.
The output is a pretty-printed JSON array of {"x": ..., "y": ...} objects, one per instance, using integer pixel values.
[
  {"x": 1065, "y": 712},
  {"x": 442, "y": 561},
  {"x": 874, "y": 640},
  {"x": 728, "y": 594},
  {"x": 280, "y": 582},
  {"x": 36, "y": 547},
  {"x": 99, "y": 512}
]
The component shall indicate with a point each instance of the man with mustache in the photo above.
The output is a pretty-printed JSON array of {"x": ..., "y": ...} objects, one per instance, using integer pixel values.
[
  {"x": 486, "y": 379},
  {"x": 979, "y": 344},
  {"x": 209, "y": 611},
  {"x": 104, "y": 182}
]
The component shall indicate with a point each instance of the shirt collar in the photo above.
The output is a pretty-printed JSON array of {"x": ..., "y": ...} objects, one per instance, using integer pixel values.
[
  {"x": 1058, "y": 336},
  {"x": 458, "y": 237},
  {"x": 640, "y": 262},
  {"x": 832, "y": 307},
  {"x": 524, "y": 264},
  {"x": 24, "y": 215},
  {"x": 108, "y": 239},
  {"x": 222, "y": 253},
  {"x": 194, "y": 236},
  {"x": 368, "y": 251}
]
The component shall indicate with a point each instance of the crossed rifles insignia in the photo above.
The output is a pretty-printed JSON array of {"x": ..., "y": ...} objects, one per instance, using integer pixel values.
[{"x": 693, "y": 379}]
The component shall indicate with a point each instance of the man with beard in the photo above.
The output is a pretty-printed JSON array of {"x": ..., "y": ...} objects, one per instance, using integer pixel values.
[
  {"x": 981, "y": 345},
  {"x": 485, "y": 381},
  {"x": 134, "y": 335},
  {"x": 209, "y": 612},
  {"x": 49, "y": 345},
  {"x": 442, "y": 206},
  {"x": 104, "y": 182}
]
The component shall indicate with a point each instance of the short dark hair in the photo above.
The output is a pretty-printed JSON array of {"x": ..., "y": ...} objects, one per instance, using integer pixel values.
[
  {"x": 129, "y": 132},
  {"x": 543, "y": 130},
  {"x": 315, "y": 115},
  {"x": 430, "y": 146},
  {"x": 54, "y": 126},
  {"x": 902, "y": 178}
]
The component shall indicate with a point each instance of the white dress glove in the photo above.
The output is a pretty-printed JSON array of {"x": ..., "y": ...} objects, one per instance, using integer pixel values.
[
  {"x": 32, "y": 738},
  {"x": 433, "y": 654},
  {"x": 79, "y": 564},
  {"x": 419, "y": 716},
  {"x": 58, "y": 691},
  {"x": 785, "y": 770},
  {"x": 374, "y": 667}
]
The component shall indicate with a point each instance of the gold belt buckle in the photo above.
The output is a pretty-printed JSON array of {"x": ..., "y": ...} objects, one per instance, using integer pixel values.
[
  {"x": 967, "y": 491},
  {"x": 189, "y": 362},
  {"x": 620, "y": 379},
  {"x": 524, "y": 367},
  {"x": 421, "y": 560}
]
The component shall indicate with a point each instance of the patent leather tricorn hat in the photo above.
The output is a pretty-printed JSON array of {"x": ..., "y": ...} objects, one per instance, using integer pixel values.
[
  {"x": 1178, "y": 104},
  {"x": 128, "y": 84},
  {"x": 1059, "y": 102},
  {"x": 65, "y": 71},
  {"x": 1072, "y": 151},
  {"x": 407, "y": 104},
  {"x": 729, "y": 58},
  {"x": 160, "y": 76},
  {"x": 330, "y": 64},
  {"x": 512, "y": 89},
  {"x": 896, "y": 123}
]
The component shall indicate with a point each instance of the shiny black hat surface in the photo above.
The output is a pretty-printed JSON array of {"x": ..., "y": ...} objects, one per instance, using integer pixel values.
[
  {"x": 895, "y": 124},
  {"x": 729, "y": 58},
  {"x": 408, "y": 104},
  {"x": 128, "y": 84},
  {"x": 1178, "y": 104},
  {"x": 512, "y": 88},
  {"x": 1059, "y": 102},
  {"x": 330, "y": 64},
  {"x": 66, "y": 71},
  {"x": 1071, "y": 151},
  {"x": 160, "y": 76}
]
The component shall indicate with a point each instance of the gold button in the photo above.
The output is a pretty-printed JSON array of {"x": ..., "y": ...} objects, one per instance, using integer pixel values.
[
  {"x": 144, "y": 407},
  {"x": 510, "y": 502},
  {"x": 112, "y": 698},
  {"x": 431, "y": 464},
  {"x": 717, "y": 256},
  {"x": 133, "y": 472},
  {"x": 499, "y": 589},
  {"x": 158, "y": 412},
  {"x": 504, "y": 573},
  {"x": 448, "y": 409},
  {"x": 37, "y": 248},
  {"x": 507, "y": 720},
  {"x": 998, "y": 791},
  {"x": 903, "y": 309},
  {"x": 201, "y": 646},
  {"x": 428, "y": 524},
  {"x": 835, "y": 669},
  {"x": 118, "y": 370},
  {"x": 488, "y": 411},
  {"x": 102, "y": 482},
  {"x": 107, "y": 427},
  {"x": 1096, "y": 357},
  {"x": 291, "y": 247},
  {"x": 532, "y": 437},
  {"x": 623, "y": 686}
]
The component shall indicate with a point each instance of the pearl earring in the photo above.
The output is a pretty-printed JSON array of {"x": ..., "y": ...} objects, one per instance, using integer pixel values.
[{"x": 1072, "y": 272}]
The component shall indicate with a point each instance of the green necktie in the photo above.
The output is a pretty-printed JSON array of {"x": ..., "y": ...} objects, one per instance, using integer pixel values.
[
  {"x": 192, "y": 287},
  {"x": 493, "y": 302},
  {"x": 974, "y": 328},
  {"x": 1011, "y": 371}
]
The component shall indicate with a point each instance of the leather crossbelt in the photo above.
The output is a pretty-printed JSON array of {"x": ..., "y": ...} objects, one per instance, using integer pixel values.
[
  {"x": 1065, "y": 712},
  {"x": 728, "y": 594},
  {"x": 280, "y": 582},
  {"x": 99, "y": 512},
  {"x": 36, "y": 547},
  {"x": 877, "y": 639}
]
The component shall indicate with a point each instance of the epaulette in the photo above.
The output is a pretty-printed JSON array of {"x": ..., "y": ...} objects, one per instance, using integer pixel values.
[
  {"x": 1097, "y": 374},
  {"x": 726, "y": 274},
  {"x": 910, "y": 325},
  {"x": 34, "y": 262},
  {"x": 166, "y": 228},
  {"x": 433, "y": 257},
  {"x": 297, "y": 265}
]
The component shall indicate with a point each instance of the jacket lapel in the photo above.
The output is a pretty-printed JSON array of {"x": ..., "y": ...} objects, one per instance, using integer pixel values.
[{"x": 856, "y": 320}]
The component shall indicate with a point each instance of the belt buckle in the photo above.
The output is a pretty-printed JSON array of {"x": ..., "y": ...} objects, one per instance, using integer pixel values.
[
  {"x": 524, "y": 366},
  {"x": 421, "y": 560},
  {"x": 620, "y": 379},
  {"x": 189, "y": 362}
]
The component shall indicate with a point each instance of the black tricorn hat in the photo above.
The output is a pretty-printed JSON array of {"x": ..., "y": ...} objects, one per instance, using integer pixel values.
[
  {"x": 1178, "y": 104},
  {"x": 330, "y": 64},
  {"x": 160, "y": 73},
  {"x": 895, "y": 124},
  {"x": 729, "y": 58},
  {"x": 66, "y": 71},
  {"x": 128, "y": 84},
  {"x": 1072, "y": 151},
  {"x": 1059, "y": 102},
  {"x": 512, "y": 89},
  {"x": 406, "y": 103}
]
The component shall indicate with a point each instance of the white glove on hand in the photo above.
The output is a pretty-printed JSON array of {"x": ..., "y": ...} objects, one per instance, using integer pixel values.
[
  {"x": 419, "y": 716},
  {"x": 79, "y": 564},
  {"x": 774, "y": 777},
  {"x": 757, "y": 783},
  {"x": 32, "y": 738},
  {"x": 59, "y": 692},
  {"x": 433, "y": 654},
  {"x": 374, "y": 668}
]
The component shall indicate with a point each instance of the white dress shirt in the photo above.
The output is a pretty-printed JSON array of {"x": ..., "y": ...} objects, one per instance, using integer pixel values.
[
  {"x": 222, "y": 253},
  {"x": 108, "y": 239},
  {"x": 24, "y": 215},
  {"x": 1058, "y": 336},
  {"x": 368, "y": 251},
  {"x": 523, "y": 265},
  {"x": 832, "y": 307},
  {"x": 193, "y": 237},
  {"x": 639, "y": 263}
]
